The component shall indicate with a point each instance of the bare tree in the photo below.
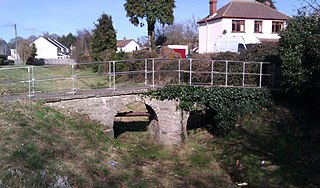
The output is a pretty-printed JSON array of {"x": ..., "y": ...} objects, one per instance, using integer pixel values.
[
  {"x": 80, "y": 50},
  {"x": 310, "y": 6},
  {"x": 24, "y": 50},
  {"x": 183, "y": 33},
  {"x": 313, "y": 4}
]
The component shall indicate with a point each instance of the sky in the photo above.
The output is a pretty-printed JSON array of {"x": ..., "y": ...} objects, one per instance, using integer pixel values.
[{"x": 35, "y": 17}]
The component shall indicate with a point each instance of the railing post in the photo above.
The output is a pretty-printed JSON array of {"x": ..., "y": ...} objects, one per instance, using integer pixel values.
[
  {"x": 190, "y": 76},
  {"x": 33, "y": 79},
  {"x": 29, "y": 83},
  {"x": 145, "y": 72},
  {"x": 114, "y": 75},
  {"x": 153, "y": 82},
  {"x": 179, "y": 70},
  {"x": 226, "y": 79},
  {"x": 212, "y": 70},
  {"x": 72, "y": 77},
  {"x": 243, "y": 73},
  {"x": 109, "y": 74},
  {"x": 260, "y": 75}
]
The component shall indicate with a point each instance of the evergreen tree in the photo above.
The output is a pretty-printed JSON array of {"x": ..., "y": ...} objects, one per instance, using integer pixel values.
[
  {"x": 270, "y": 1},
  {"x": 68, "y": 40},
  {"x": 33, "y": 53},
  {"x": 153, "y": 11},
  {"x": 103, "y": 42}
]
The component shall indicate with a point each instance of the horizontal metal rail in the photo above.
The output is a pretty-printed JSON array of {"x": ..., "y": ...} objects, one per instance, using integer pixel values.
[{"x": 151, "y": 72}]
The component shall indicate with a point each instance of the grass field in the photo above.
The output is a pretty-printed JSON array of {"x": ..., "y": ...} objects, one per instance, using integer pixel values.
[
  {"x": 49, "y": 78},
  {"x": 42, "y": 147},
  {"x": 39, "y": 145}
]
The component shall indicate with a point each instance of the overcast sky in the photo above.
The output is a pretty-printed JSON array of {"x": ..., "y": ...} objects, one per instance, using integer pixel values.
[{"x": 34, "y": 17}]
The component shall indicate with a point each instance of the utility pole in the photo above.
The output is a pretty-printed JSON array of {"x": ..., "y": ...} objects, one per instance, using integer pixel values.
[{"x": 16, "y": 36}]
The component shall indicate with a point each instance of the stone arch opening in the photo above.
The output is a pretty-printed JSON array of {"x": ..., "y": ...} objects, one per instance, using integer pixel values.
[
  {"x": 202, "y": 119},
  {"x": 136, "y": 117}
]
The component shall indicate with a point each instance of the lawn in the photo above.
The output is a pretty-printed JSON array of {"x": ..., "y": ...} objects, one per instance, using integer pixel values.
[
  {"x": 14, "y": 80},
  {"x": 40, "y": 147}
]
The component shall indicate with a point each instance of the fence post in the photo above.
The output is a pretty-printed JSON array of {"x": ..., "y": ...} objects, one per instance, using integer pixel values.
[
  {"x": 153, "y": 82},
  {"x": 145, "y": 72},
  {"x": 212, "y": 69},
  {"x": 226, "y": 79},
  {"x": 114, "y": 75},
  {"x": 243, "y": 73},
  {"x": 32, "y": 78},
  {"x": 260, "y": 75},
  {"x": 109, "y": 74},
  {"x": 190, "y": 78},
  {"x": 72, "y": 77},
  {"x": 179, "y": 70},
  {"x": 29, "y": 83}
]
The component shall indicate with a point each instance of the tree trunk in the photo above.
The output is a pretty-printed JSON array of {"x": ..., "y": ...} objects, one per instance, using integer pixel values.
[{"x": 151, "y": 42}]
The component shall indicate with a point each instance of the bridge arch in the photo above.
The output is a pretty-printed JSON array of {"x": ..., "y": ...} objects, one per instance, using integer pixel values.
[
  {"x": 137, "y": 115},
  {"x": 168, "y": 124}
]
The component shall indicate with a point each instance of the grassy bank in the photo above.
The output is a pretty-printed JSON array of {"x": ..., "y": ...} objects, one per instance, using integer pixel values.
[{"x": 41, "y": 147}]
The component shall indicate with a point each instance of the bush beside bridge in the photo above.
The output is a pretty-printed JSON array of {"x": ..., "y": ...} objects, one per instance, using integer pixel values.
[{"x": 225, "y": 103}]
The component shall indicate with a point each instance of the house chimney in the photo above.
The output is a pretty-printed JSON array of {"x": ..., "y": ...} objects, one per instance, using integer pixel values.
[
  {"x": 124, "y": 38},
  {"x": 212, "y": 7}
]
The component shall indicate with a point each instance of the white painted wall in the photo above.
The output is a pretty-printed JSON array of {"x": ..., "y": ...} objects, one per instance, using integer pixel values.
[
  {"x": 45, "y": 49},
  {"x": 132, "y": 46},
  {"x": 209, "y": 32}
]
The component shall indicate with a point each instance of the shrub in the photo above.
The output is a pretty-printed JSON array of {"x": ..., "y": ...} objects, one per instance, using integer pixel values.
[
  {"x": 142, "y": 54},
  {"x": 300, "y": 55},
  {"x": 226, "y": 103}
]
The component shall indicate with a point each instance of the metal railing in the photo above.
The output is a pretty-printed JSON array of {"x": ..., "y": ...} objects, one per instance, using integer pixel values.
[{"x": 110, "y": 76}]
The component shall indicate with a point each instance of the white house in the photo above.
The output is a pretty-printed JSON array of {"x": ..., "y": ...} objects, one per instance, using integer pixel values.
[
  {"x": 4, "y": 50},
  {"x": 127, "y": 45},
  {"x": 13, "y": 55},
  {"x": 253, "y": 21},
  {"x": 48, "y": 48}
]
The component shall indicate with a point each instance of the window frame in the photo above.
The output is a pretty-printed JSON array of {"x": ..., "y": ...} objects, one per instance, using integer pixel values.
[
  {"x": 237, "y": 24},
  {"x": 277, "y": 24},
  {"x": 258, "y": 26}
]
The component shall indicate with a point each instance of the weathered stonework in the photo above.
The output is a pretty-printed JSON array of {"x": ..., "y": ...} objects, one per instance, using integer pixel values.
[{"x": 168, "y": 125}]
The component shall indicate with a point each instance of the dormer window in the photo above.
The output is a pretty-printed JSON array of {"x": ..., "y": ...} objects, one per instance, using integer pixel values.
[
  {"x": 258, "y": 26},
  {"x": 277, "y": 26},
  {"x": 238, "y": 26}
]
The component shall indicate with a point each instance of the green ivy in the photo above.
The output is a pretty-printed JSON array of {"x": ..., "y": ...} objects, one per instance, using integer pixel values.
[{"x": 226, "y": 103}]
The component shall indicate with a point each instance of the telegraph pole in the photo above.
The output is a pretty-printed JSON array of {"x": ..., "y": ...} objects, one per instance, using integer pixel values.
[{"x": 16, "y": 36}]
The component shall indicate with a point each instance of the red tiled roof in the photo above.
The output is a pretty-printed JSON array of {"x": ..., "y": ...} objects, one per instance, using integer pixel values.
[
  {"x": 246, "y": 10},
  {"x": 123, "y": 43}
]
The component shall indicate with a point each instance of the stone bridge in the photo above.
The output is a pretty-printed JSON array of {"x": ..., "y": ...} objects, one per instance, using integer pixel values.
[{"x": 167, "y": 123}]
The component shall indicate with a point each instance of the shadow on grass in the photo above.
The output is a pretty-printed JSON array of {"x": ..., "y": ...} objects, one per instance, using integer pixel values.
[
  {"x": 279, "y": 149},
  {"x": 134, "y": 126}
]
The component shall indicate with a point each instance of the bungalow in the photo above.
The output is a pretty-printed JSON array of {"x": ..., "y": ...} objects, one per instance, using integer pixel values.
[
  {"x": 127, "y": 45},
  {"x": 252, "y": 21},
  {"x": 48, "y": 48}
]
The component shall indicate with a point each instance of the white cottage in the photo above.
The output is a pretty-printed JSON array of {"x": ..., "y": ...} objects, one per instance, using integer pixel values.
[
  {"x": 127, "y": 45},
  {"x": 48, "y": 48},
  {"x": 253, "y": 21}
]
